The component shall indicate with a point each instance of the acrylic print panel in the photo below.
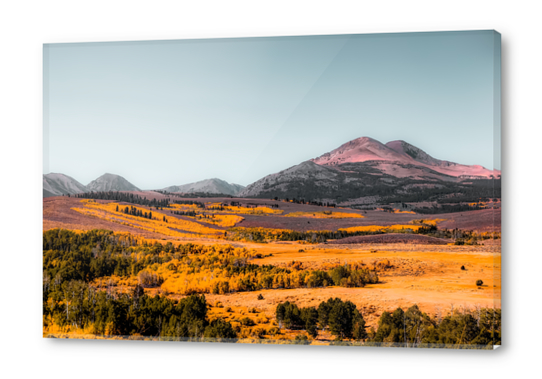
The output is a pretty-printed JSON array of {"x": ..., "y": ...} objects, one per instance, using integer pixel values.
[{"x": 318, "y": 190}]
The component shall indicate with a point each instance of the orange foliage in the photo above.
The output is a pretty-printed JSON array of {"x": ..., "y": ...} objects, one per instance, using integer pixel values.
[
  {"x": 325, "y": 214},
  {"x": 171, "y": 227},
  {"x": 378, "y": 228},
  {"x": 252, "y": 211}
]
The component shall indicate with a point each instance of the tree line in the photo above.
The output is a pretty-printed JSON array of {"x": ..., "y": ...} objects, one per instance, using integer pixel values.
[
  {"x": 75, "y": 305},
  {"x": 413, "y": 328},
  {"x": 124, "y": 197},
  {"x": 262, "y": 235},
  {"x": 71, "y": 261},
  {"x": 342, "y": 318},
  {"x": 182, "y": 269}
]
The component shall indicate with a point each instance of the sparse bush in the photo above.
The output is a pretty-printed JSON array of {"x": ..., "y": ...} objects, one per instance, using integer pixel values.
[
  {"x": 302, "y": 339},
  {"x": 260, "y": 297},
  {"x": 247, "y": 322},
  {"x": 479, "y": 282},
  {"x": 258, "y": 333},
  {"x": 274, "y": 331},
  {"x": 245, "y": 333}
]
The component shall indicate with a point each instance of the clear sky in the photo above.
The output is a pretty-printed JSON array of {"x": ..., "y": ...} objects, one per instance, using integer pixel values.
[{"x": 165, "y": 113}]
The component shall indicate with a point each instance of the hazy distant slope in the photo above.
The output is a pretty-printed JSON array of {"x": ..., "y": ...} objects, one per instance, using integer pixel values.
[
  {"x": 214, "y": 186},
  {"x": 111, "y": 182},
  {"x": 55, "y": 184}
]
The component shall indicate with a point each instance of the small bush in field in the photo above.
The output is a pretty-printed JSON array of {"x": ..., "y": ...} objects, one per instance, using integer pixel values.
[
  {"x": 247, "y": 321},
  {"x": 258, "y": 333},
  {"x": 479, "y": 282},
  {"x": 260, "y": 297},
  {"x": 274, "y": 331}
]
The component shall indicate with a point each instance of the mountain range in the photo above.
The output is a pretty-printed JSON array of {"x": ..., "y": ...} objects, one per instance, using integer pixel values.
[
  {"x": 55, "y": 184},
  {"x": 360, "y": 171}
]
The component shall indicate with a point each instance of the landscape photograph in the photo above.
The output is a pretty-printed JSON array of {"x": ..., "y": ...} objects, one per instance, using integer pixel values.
[{"x": 316, "y": 190}]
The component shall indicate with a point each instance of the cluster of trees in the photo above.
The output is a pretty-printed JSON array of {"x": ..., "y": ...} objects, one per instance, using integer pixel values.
[
  {"x": 203, "y": 194},
  {"x": 303, "y": 201},
  {"x": 341, "y": 317},
  {"x": 183, "y": 269},
  {"x": 199, "y": 204},
  {"x": 131, "y": 210},
  {"x": 124, "y": 197},
  {"x": 255, "y": 277},
  {"x": 414, "y": 328},
  {"x": 185, "y": 213},
  {"x": 266, "y": 234},
  {"x": 71, "y": 261},
  {"x": 352, "y": 275},
  {"x": 76, "y": 305},
  {"x": 461, "y": 237},
  {"x": 97, "y": 253},
  {"x": 262, "y": 235}
]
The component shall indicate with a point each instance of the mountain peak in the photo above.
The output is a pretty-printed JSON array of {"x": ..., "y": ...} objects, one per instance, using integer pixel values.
[
  {"x": 366, "y": 149},
  {"x": 55, "y": 184},
  {"x": 358, "y": 150},
  {"x": 111, "y": 182},
  {"x": 213, "y": 185}
]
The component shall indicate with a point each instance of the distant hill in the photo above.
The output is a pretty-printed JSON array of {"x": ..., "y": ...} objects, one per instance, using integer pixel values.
[
  {"x": 211, "y": 186},
  {"x": 367, "y": 171},
  {"x": 55, "y": 184},
  {"x": 111, "y": 182}
]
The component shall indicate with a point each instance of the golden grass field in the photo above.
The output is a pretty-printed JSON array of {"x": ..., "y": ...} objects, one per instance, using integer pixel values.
[{"x": 427, "y": 275}]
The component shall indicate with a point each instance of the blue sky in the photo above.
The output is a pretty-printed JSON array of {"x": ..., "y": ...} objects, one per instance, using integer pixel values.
[{"x": 161, "y": 113}]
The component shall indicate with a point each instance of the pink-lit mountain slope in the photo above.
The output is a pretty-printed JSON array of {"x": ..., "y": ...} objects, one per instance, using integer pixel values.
[{"x": 387, "y": 157}]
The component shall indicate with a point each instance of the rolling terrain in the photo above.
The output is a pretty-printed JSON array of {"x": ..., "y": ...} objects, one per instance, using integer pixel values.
[
  {"x": 413, "y": 268},
  {"x": 367, "y": 244}
]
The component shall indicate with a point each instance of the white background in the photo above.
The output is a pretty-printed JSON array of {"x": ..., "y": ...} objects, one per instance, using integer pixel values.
[{"x": 26, "y": 25}]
